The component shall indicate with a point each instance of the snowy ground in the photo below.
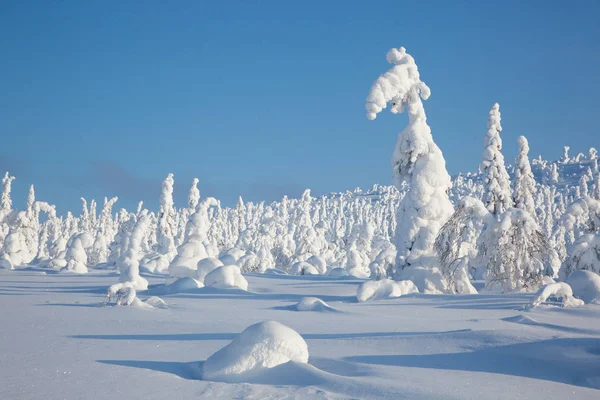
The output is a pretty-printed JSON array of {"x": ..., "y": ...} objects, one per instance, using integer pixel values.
[{"x": 56, "y": 342}]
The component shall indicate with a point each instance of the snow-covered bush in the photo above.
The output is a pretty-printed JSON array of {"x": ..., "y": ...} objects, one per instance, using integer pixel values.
[
  {"x": 456, "y": 244},
  {"x": 259, "y": 347},
  {"x": 517, "y": 253},
  {"x": 231, "y": 256},
  {"x": 123, "y": 294},
  {"x": 584, "y": 254},
  {"x": 303, "y": 268},
  {"x": 384, "y": 289},
  {"x": 205, "y": 266},
  {"x": 76, "y": 256},
  {"x": 226, "y": 277},
  {"x": 586, "y": 286},
  {"x": 560, "y": 291},
  {"x": 129, "y": 262},
  {"x": 319, "y": 263}
]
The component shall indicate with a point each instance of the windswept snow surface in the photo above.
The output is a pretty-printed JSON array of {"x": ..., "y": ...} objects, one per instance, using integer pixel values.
[{"x": 56, "y": 342}]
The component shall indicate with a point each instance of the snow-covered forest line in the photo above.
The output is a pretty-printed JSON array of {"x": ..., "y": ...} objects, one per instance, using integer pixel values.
[
  {"x": 352, "y": 230},
  {"x": 517, "y": 227}
]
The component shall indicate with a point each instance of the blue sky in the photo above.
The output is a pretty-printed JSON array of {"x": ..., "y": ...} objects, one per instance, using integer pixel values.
[{"x": 266, "y": 98}]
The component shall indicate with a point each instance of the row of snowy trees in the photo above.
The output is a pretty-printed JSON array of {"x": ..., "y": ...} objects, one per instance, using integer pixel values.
[{"x": 436, "y": 231}]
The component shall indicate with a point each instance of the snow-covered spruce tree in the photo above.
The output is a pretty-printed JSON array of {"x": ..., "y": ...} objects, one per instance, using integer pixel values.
[
  {"x": 516, "y": 252},
  {"x": 129, "y": 261},
  {"x": 194, "y": 196},
  {"x": 193, "y": 249},
  {"x": 166, "y": 218},
  {"x": 76, "y": 257},
  {"x": 5, "y": 206},
  {"x": 583, "y": 186},
  {"x": 581, "y": 217},
  {"x": 419, "y": 161},
  {"x": 524, "y": 183},
  {"x": 584, "y": 254},
  {"x": 456, "y": 244},
  {"x": 496, "y": 194}
]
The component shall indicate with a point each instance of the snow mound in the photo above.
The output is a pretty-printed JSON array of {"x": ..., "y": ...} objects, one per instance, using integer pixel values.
[
  {"x": 585, "y": 286},
  {"x": 226, "y": 277},
  {"x": 206, "y": 266},
  {"x": 259, "y": 347},
  {"x": 384, "y": 289},
  {"x": 557, "y": 291},
  {"x": 313, "y": 304},
  {"x": 5, "y": 264},
  {"x": 156, "y": 302},
  {"x": 338, "y": 272},
  {"x": 319, "y": 263},
  {"x": 181, "y": 285},
  {"x": 304, "y": 268},
  {"x": 275, "y": 271}
]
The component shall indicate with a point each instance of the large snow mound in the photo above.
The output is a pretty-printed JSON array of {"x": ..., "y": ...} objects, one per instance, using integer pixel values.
[
  {"x": 259, "y": 347},
  {"x": 585, "y": 286},
  {"x": 226, "y": 277},
  {"x": 313, "y": 304},
  {"x": 560, "y": 291},
  {"x": 384, "y": 289},
  {"x": 206, "y": 266}
]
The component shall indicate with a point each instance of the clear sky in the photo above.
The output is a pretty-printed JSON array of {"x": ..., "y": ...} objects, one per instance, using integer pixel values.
[{"x": 266, "y": 98}]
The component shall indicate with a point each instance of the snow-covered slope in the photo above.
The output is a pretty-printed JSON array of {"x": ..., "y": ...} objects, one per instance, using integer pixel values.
[{"x": 56, "y": 342}]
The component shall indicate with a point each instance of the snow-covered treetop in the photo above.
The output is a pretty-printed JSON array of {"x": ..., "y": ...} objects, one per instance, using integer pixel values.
[
  {"x": 194, "y": 196},
  {"x": 497, "y": 194},
  {"x": 396, "y": 85},
  {"x": 6, "y": 202},
  {"x": 166, "y": 194},
  {"x": 524, "y": 184}
]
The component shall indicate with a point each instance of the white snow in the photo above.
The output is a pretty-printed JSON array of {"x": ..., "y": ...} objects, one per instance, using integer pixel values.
[
  {"x": 384, "y": 289},
  {"x": 313, "y": 304},
  {"x": 225, "y": 277},
  {"x": 304, "y": 268},
  {"x": 559, "y": 290},
  {"x": 585, "y": 286},
  {"x": 415, "y": 347},
  {"x": 259, "y": 347},
  {"x": 206, "y": 266},
  {"x": 338, "y": 272}
]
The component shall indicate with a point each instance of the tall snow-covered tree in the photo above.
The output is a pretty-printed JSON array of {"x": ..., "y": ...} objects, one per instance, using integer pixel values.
[
  {"x": 418, "y": 161},
  {"x": 194, "y": 196},
  {"x": 496, "y": 193},
  {"x": 524, "y": 183},
  {"x": 166, "y": 218}
]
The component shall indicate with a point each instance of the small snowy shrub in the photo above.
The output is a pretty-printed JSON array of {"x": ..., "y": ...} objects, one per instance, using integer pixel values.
[
  {"x": 226, "y": 277},
  {"x": 560, "y": 291},
  {"x": 586, "y": 286}
]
